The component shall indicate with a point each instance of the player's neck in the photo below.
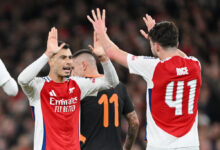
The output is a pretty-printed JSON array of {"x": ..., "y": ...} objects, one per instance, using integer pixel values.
[
  {"x": 93, "y": 73},
  {"x": 56, "y": 78},
  {"x": 171, "y": 52}
]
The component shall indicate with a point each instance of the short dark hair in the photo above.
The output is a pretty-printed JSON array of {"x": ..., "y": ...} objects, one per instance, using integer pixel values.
[
  {"x": 165, "y": 33},
  {"x": 82, "y": 51},
  {"x": 66, "y": 46}
]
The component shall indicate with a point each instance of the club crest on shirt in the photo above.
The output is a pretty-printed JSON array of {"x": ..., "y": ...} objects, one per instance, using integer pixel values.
[{"x": 71, "y": 90}]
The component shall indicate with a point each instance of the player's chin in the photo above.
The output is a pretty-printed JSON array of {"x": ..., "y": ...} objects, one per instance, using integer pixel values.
[{"x": 66, "y": 73}]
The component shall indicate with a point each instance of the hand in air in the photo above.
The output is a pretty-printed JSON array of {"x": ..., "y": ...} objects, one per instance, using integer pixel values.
[
  {"x": 98, "y": 21},
  {"x": 150, "y": 23},
  {"x": 52, "y": 43},
  {"x": 98, "y": 50}
]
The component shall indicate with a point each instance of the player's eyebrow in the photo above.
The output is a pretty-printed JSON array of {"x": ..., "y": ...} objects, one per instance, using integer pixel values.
[{"x": 65, "y": 56}]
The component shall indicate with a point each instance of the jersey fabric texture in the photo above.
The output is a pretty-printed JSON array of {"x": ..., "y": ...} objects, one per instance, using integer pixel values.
[
  {"x": 173, "y": 88},
  {"x": 100, "y": 119}
]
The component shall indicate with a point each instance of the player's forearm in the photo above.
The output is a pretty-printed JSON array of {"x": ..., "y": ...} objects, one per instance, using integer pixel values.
[
  {"x": 10, "y": 87},
  {"x": 32, "y": 70},
  {"x": 133, "y": 123},
  {"x": 4, "y": 75},
  {"x": 110, "y": 73},
  {"x": 113, "y": 51},
  {"x": 8, "y": 84}
]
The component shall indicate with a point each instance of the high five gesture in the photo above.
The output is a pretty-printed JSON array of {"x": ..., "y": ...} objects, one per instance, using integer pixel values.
[
  {"x": 52, "y": 43},
  {"x": 98, "y": 21},
  {"x": 150, "y": 23},
  {"x": 110, "y": 48},
  {"x": 98, "y": 50}
]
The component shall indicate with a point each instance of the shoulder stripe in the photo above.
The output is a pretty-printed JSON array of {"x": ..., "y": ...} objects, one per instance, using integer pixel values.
[{"x": 46, "y": 78}]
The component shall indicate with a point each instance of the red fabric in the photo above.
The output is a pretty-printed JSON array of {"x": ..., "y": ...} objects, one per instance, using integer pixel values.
[
  {"x": 163, "y": 115},
  {"x": 61, "y": 120}
]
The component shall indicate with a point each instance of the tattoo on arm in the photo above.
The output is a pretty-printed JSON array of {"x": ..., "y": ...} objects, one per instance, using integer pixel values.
[{"x": 133, "y": 123}]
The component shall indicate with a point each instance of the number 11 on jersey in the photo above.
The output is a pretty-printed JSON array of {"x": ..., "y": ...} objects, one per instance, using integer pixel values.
[{"x": 104, "y": 100}]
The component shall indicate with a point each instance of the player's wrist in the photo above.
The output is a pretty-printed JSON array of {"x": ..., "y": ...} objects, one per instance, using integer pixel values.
[
  {"x": 48, "y": 53},
  {"x": 103, "y": 58}
]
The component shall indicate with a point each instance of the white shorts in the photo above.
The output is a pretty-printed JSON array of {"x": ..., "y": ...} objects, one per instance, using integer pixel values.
[{"x": 183, "y": 148}]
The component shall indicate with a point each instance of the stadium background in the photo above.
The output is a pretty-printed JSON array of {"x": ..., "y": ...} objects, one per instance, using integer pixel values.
[{"x": 24, "y": 25}]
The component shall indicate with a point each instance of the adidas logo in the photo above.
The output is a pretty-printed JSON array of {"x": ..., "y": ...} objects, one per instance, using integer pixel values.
[{"x": 52, "y": 93}]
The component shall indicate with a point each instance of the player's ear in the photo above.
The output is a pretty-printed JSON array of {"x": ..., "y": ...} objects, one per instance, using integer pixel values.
[
  {"x": 157, "y": 47},
  {"x": 85, "y": 65}
]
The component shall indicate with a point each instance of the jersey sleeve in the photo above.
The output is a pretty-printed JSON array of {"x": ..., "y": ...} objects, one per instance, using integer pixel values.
[
  {"x": 4, "y": 75},
  {"x": 27, "y": 78},
  {"x": 10, "y": 87},
  {"x": 7, "y": 83},
  {"x": 91, "y": 86},
  {"x": 32, "y": 88},
  {"x": 128, "y": 105},
  {"x": 142, "y": 65}
]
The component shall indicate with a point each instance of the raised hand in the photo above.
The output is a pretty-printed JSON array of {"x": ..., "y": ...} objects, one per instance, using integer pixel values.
[
  {"x": 98, "y": 21},
  {"x": 150, "y": 23},
  {"x": 52, "y": 43},
  {"x": 98, "y": 50}
]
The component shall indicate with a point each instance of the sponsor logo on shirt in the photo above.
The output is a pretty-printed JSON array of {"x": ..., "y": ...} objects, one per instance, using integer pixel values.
[
  {"x": 62, "y": 102},
  {"x": 63, "y": 105}
]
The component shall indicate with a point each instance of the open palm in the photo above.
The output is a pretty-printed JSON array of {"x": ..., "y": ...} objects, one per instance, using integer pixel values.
[
  {"x": 52, "y": 43},
  {"x": 150, "y": 23},
  {"x": 98, "y": 21},
  {"x": 98, "y": 50}
]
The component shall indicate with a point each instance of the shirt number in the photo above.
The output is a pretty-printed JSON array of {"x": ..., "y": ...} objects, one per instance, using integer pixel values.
[
  {"x": 177, "y": 104},
  {"x": 104, "y": 100}
]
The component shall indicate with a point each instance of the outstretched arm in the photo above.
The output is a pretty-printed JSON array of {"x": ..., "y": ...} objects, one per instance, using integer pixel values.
[
  {"x": 112, "y": 50},
  {"x": 110, "y": 79},
  {"x": 7, "y": 83},
  {"x": 133, "y": 125},
  {"x": 150, "y": 23},
  {"x": 109, "y": 70},
  {"x": 28, "y": 74}
]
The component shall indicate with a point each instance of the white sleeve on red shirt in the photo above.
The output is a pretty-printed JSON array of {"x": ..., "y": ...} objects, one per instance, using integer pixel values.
[
  {"x": 142, "y": 65},
  {"x": 7, "y": 83},
  {"x": 27, "y": 78},
  {"x": 89, "y": 86}
]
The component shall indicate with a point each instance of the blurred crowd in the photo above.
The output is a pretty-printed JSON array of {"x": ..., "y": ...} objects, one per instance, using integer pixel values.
[{"x": 24, "y": 25}]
